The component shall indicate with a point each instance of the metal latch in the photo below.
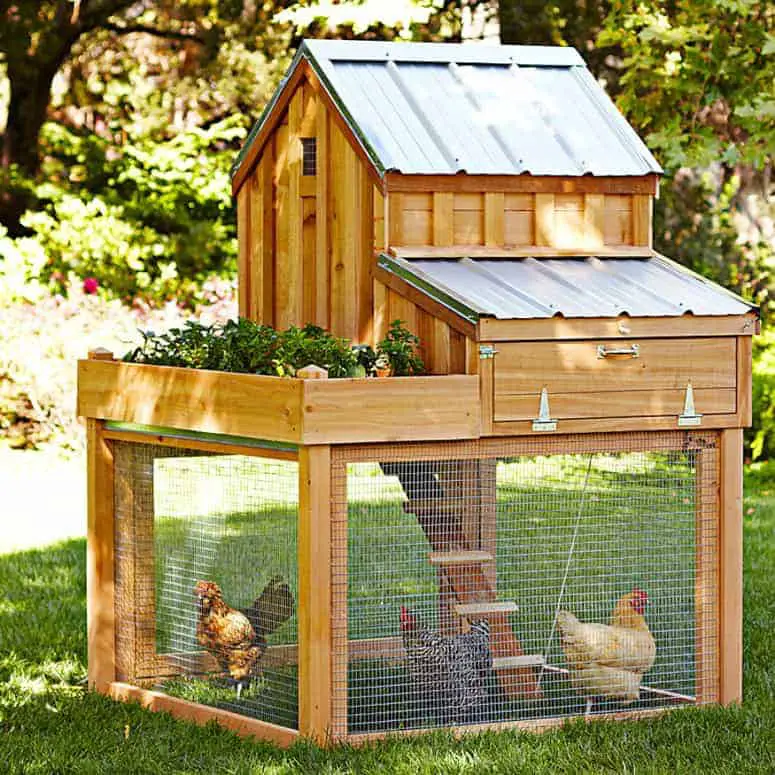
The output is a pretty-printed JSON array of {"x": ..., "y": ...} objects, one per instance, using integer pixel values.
[
  {"x": 689, "y": 418},
  {"x": 544, "y": 421},
  {"x": 487, "y": 351},
  {"x": 606, "y": 352}
]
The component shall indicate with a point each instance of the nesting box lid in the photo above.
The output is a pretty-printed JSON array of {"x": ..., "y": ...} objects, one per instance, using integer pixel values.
[
  {"x": 583, "y": 287},
  {"x": 443, "y": 108}
]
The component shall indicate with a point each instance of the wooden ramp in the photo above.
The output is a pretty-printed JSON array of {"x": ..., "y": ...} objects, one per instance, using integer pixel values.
[{"x": 467, "y": 578}]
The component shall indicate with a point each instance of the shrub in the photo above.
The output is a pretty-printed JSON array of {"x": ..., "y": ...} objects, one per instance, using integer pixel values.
[
  {"x": 399, "y": 347},
  {"x": 247, "y": 347}
]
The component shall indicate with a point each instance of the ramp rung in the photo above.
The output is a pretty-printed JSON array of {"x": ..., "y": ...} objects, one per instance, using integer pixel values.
[
  {"x": 480, "y": 609},
  {"x": 459, "y": 558},
  {"x": 526, "y": 660}
]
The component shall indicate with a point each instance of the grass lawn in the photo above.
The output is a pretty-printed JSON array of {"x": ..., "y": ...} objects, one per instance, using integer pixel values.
[{"x": 49, "y": 723}]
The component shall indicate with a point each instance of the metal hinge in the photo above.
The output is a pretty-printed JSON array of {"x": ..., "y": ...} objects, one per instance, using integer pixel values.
[{"x": 487, "y": 351}]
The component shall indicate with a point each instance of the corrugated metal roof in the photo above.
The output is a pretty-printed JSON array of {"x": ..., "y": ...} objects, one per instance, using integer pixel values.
[
  {"x": 444, "y": 108},
  {"x": 447, "y": 108},
  {"x": 568, "y": 287}
]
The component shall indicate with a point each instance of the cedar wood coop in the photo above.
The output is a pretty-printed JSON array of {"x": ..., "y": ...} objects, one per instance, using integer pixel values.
[{"x": 578, "y": 435}]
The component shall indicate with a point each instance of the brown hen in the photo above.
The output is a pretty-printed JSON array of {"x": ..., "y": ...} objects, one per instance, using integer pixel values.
[{"x": 227, "y": 634}]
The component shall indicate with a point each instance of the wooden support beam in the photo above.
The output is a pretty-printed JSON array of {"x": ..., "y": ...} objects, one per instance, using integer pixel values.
[
  {"x": 100, "y": 613},
  {"x": 314, "y": 604},
  {"x": 458, "y": 558},
  {"x": 482, "y": 609},
  {"x": 731, "y": 568}
]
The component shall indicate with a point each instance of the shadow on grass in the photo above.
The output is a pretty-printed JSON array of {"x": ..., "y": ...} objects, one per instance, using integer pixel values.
[{"x": 48, "y": 723}]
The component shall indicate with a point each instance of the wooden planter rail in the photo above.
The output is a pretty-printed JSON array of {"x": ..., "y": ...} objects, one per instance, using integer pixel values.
[{"x": 297, "y": 411}]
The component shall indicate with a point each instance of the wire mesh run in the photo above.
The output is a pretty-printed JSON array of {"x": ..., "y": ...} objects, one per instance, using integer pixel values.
[
  {"x": 206, "y": 578},
  {"x": 485, "y": 583}
]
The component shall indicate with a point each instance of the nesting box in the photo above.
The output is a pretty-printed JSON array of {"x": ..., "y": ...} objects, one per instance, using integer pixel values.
[{"x": 434, "y": 551}]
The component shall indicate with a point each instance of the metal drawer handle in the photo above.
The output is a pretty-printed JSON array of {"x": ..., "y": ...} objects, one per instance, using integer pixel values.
[{"x": 633, "y": 351}]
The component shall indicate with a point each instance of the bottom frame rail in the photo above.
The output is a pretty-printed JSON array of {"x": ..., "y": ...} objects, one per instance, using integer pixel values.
[{"x": 201, "y": 714}]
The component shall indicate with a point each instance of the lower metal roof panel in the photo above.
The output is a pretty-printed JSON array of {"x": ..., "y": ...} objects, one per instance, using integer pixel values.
[{"x": 584, "y": 287}]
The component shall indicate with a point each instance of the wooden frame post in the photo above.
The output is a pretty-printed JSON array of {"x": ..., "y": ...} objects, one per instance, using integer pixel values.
[
  {"x": 731, "y": 568},
  {"x": 314, "y": 604},
  {"x": 100, "y": 613}
]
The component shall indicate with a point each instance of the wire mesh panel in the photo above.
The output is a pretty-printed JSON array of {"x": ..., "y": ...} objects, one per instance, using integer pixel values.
[
  {"x": 206, "y": 577},
  {"x": 487, "y": 583}
]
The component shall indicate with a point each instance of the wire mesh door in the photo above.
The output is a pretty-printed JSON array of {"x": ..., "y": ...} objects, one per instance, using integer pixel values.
[
  {"x": 509, "y": 580},
  {"x": 206, "y": 577}
]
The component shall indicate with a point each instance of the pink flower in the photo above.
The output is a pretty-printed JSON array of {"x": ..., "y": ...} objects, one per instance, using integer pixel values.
[{"x": 90, "y": 285}]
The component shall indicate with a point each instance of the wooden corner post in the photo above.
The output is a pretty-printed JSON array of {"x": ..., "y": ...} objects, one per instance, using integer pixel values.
[
  {"x": 731, "y": 568},
  {"x": 314, "y": 605},
  {"x": 100, "y": 612}
]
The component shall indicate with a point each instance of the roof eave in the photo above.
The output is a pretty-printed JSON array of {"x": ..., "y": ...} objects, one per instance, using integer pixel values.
[{"x": 261, "y": 130}]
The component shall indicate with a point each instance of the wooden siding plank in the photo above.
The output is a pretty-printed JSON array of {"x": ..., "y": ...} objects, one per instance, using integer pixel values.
[
  {"x": 494, "y": 218},
  {"x": 366, "y": 262},
  {"x": 262, "y": 237},
  {"x": 642, "y": 220},
  {"x": 731, "y": 568},
  {"x": 346, "y": 411},
  {"x": 614, "y": 403},
  {"x": 314, "y": 604},
  {"x": 380, "y": 236},
  {"x": 544, "y": 220},
  {"x": 395, "y": 219},
  {"x": 309, "y": 262},
  {"x": 744, "y": 381},
  {"x": 518, "y": 227},
  {"x": 594, "y": 220},
  {"x": 458, "y": 361},
  {"x": 290, "y": 311},
  {"x": 402, "y": 309},
  {"x": 416, "y": 227},
  {"x": 574, "y": 367},
  {"x": 245, "y": 238},
  {"x": 323, "y": 218},
  {"x": 381, "y": 311},
  {"x": 443, "y": 232},
  {"x": 283, "y": 269}
]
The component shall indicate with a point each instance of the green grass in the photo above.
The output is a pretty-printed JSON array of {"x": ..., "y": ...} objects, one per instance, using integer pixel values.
[{"x": 49, "y": 723}]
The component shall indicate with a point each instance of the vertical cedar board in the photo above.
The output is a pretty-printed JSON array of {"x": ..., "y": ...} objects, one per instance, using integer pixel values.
[
  {"x": 100, "y": 611},
  {"x": 314, "y": 604},
  {"x": 731, "y": 568}
]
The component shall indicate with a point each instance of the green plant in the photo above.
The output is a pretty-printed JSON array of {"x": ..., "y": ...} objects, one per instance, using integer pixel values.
[
  {"x": 247, "y": 347},
  {"x": 400, "y": 348}
]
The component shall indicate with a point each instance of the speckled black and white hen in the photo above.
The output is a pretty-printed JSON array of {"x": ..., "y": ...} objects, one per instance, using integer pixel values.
[{"x": 450, "y": 672}]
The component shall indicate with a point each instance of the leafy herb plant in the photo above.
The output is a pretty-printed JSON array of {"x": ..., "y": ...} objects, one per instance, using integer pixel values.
[{"x": 399, "y": 347}]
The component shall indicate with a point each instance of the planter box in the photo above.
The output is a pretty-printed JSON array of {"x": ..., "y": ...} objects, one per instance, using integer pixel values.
[{"x": 297, "y": 411}]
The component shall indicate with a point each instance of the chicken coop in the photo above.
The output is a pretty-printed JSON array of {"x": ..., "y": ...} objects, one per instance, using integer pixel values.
[{"x": 546, "y": 524}]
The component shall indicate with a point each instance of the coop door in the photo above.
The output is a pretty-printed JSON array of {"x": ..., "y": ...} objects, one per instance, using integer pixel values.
[
  {"x": 190, "y": 528},
  {"x": 503, "y": 581}
]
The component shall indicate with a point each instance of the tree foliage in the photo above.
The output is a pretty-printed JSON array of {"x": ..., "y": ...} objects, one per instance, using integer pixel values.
[{"x": 699, "y": 78}]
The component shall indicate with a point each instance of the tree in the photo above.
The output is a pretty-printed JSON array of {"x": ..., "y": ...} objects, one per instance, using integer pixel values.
[{"x": 35, "y": 39}]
